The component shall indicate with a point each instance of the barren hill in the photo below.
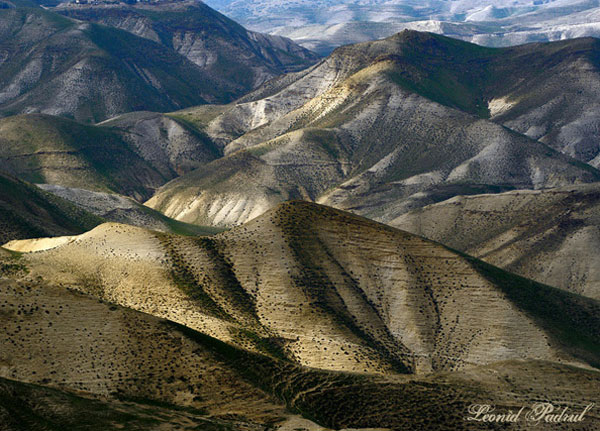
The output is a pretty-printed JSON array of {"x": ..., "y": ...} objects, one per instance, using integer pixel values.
[
  {"x": 383, "y": 127},
  {"x": 547, "y": 235},
  {"x": 326, "y": 289}
]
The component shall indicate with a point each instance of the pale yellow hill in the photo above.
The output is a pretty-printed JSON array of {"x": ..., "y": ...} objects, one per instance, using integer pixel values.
[{"x": 329, "y": 290}]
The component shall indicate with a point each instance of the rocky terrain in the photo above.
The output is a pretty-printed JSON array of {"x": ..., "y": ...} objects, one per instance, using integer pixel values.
[
  {"x": 324, "y": 25},
  {"x": 56, "y": 65},
  {"x": 210, "y": 40},
  {"x": 384, "y": 127},
  {"x": 547, "y": 235},
  {"x": 301, "y": 285}
]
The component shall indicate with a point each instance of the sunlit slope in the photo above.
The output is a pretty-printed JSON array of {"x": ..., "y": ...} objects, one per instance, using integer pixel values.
[
  {"x": 329, "y": 290},
  {"x": 383, "y": 127}
]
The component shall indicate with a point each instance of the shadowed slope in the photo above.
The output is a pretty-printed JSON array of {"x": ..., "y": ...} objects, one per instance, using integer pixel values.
[
  {"x": 121, "y": 209},
  {"x": 131, "y": 156},
  {"x": 26, "y": 212},
  {"x": 56, "y": 65},
  {"x": 221, "y": 47}
]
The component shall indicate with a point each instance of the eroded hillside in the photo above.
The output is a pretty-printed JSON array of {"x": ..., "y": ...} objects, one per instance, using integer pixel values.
[
  {"x": 324, "y": 289},
  {"x": 384, "y": 127},
  {"x": 546, "y": 235}
]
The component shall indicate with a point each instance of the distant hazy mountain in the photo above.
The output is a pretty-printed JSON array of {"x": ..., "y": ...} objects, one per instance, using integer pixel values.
[
  {"x": 383, "y": 127},
  {"x": 60, "y": 66},
  {"x": 322, "y": 25}
]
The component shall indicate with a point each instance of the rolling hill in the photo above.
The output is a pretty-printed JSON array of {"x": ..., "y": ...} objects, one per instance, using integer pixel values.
[
  {"x": 121, "y": 209},
  {"x": 27, "y": 211},
  {"x": 132, "y": 156},
  {"x": 156, "y": 374},
  {"x": 383, "y": 127},
  {"x": 325, "y": 289}
]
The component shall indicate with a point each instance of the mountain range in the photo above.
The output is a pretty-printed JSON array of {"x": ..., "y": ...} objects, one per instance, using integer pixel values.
[
  {"x": 89, "y": 72},
  {"x": 205, "y": 227},
  {"x": 384, "y": 127},
  {"x": 324, "y": 25},
  {"x": 303, "y": 285}
]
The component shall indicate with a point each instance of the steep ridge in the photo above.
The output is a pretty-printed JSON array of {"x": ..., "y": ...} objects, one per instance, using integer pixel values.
[
  {"x": 377, "y": 128},
  {"x": 27, "y": 212},
  {"x": 210, "y": 40},
  {"x": 547, "y": 235},
  {"x": 59, "y": 66},
  {"x": 132, "y": 156},
  {"x": 329, "y": 290}
]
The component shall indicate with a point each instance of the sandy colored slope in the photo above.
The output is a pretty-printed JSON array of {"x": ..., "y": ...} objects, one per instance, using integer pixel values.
[
  {"x": 66, "y": 339},
  {"x": 548, "y": 235},
  {"x": 329, "y": 290}
]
